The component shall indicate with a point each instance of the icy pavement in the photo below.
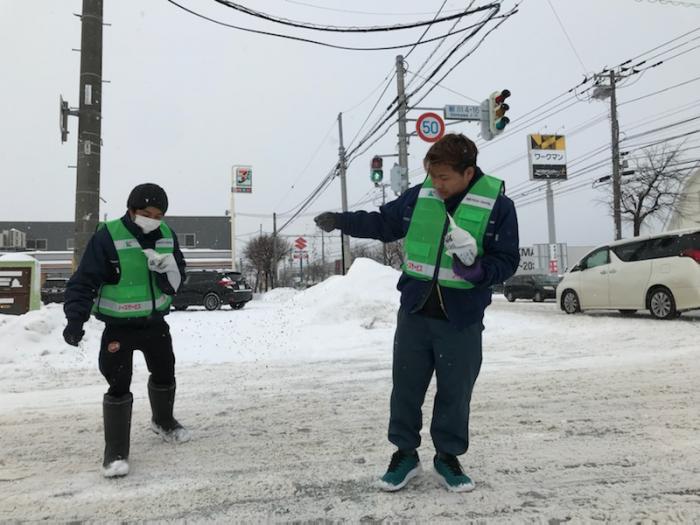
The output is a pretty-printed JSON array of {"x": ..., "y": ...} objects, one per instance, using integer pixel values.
[{"x": 583, "y": 418}]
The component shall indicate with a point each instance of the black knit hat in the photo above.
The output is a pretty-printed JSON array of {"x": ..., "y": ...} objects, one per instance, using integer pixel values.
[{"x": 145, "y": 195}]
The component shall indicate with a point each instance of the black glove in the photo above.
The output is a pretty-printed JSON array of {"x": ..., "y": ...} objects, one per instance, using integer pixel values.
[
  {"x": 73, "y": 333},
  {"x": 326, "y": 221}
]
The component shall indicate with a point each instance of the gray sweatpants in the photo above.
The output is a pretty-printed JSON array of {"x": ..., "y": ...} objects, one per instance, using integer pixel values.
[{"x": 421, "y": 345}]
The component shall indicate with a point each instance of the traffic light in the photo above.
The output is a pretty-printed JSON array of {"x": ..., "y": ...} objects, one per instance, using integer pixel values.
[
  {"x": 497, "y": 111},
  {"x": 376, "y": 172}
]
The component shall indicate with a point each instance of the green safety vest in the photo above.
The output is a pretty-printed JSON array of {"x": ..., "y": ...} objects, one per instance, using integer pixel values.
[
  {"x": 425, "y": 233},
  {"x": 137, "y": 294}
]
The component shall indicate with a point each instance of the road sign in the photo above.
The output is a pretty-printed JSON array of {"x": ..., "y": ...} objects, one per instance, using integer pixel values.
[
  {"x": 300, "y": 243},
  {"x": 462, "y": 112},
  {"x": 244, "y": 179},
  {"x": 300, "y": 254},
  {"x": 547, "y": 155},
  {"x": 430, "y": 127}
]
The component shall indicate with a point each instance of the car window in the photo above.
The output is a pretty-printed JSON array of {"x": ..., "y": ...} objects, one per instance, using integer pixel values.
[
  {"x": 597, "y": 258},
  {"x": 690, "y": 241},
  {"x": 633, "y": 251},
  {"x": 663, "y": 247}
]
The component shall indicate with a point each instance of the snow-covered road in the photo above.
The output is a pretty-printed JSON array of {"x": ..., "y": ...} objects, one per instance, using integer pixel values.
[{"x": 590, "y": 417}]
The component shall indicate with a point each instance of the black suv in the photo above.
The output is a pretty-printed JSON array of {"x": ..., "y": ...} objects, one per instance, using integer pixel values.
[
  {"x": 536, "y": 287},
  {"x": 212, "y": 288},
  {"x": 53, "y": 289}
]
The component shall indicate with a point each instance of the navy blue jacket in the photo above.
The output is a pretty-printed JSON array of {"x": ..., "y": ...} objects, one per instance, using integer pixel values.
[
  {"x": 100, "y": 265},
  {"x": 499, "y": 261}
]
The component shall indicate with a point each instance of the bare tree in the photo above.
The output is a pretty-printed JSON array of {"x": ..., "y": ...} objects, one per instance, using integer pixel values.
[
  {"x": 654, "y": 187},
  {"x": 368, "y": 250},
  {"x": 260, "y": 253}
]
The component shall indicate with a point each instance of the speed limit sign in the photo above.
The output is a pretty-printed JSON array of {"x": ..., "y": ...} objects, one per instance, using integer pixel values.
[{"x": 430, "y": 127}]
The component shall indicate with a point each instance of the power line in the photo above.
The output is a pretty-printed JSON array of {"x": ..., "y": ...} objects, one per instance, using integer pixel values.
[
  {"x": 428, "y": 29},
  {"x": 369, "y": 115},
  {"x": 446, "y": 88},
  {"x": 437, "y": 47},
  {"x": 370, "y": 13},
  {"x": 566, "y": 33},
  {"x": 660, "y": 91},
  {"x": 303, "y": 171},
  {"x": 308, "y": 40},
  {"x": 347, "y": 29}
]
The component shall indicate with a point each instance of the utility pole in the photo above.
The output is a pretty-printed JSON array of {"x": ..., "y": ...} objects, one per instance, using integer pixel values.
[
  {"x": 274, "y": 250},
  {"x": 403, "y": 107},
  {"x": 87, "y": 188},
  {"x": 615, "y": 128},
  {"x": 550, "y": 214},
  {"x": 343, "y": 194},
  {"x": 233, "y": 220},
  {"x": 601, "y": 92}
]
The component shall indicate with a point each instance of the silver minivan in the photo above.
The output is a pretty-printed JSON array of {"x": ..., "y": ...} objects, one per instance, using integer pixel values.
[{"x": 659, "y": 273}]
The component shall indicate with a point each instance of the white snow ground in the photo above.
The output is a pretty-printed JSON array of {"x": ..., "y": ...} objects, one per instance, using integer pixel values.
[{"x": 591, "y": 417}]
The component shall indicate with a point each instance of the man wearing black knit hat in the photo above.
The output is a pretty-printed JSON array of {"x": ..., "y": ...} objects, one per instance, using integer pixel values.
[{"x": 131, "y": 268}]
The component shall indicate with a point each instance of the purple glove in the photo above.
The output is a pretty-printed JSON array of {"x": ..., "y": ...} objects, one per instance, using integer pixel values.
[{"x": 473, "y": 273}]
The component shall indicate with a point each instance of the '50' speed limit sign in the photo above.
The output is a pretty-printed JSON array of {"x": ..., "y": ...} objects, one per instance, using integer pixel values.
[{"x": 430, "y": 127}]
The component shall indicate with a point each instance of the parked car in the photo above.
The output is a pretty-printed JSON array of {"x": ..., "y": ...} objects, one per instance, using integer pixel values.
[
  {"x": 211, "y": 289},
  {"x": 659, "y": 273},
  {"x": 537, "y": 287},
  {"x": 53, "y": 289}
]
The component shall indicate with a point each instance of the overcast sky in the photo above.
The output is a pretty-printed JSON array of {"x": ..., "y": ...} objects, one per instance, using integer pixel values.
[{"x": 187, "y": 99}]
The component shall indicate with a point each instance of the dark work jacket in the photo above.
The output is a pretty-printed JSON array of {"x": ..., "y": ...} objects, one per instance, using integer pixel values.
[
  {"x": 100, "y": 265},
  {"x": 499, "y": 261}
]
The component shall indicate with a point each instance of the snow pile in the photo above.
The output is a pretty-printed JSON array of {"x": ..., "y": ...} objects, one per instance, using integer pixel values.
[
  {"x": 367, "y": 294},
  {"x": 36, "y": 337},
  {"x": 278, "y": 295}
]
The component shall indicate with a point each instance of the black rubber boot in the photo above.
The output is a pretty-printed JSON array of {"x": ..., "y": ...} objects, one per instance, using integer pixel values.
[
  {"x": 116, "y": 413},
  {"x": 163, "y": 423}
]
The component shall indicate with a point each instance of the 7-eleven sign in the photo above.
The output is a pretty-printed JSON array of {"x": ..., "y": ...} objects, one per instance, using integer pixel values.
[{"x": 300, "y": 243}]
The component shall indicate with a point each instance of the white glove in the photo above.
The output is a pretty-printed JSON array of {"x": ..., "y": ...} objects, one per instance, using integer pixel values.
[
  {"x": 460, "y": 243},
  {"x": 164, "y": 263}
]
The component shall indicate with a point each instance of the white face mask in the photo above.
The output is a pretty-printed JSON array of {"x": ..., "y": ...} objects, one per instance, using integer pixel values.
[{"x": 146, "y": 223}]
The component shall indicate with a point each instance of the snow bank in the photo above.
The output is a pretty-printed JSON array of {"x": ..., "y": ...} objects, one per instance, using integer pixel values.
[
  {"x": 17, "y": 257},
  {"x": 367, "y": 295},
  {"x": 278, "y": 295}
]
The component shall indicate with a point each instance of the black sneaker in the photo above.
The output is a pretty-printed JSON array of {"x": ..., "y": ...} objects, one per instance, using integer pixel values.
[
  {"x": 450, "y": 471},
  {"x": 403, "y": 467}
]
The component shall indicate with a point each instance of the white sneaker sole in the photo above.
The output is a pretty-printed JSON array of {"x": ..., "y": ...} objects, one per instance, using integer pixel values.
[
  {"x": 388, "y": 487},
  {"x": 116, "y": 469},
  {"x": 467, "y": 487},
  {"x": 179, "y": 435}
]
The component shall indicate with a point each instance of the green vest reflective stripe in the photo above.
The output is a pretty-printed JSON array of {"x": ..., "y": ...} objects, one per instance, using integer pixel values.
[
  {"x": 424, "y": 237},
  {"x": 137, "y": 293}
]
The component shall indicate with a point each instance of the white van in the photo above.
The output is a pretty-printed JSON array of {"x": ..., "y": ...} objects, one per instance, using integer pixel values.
[{"x": 659, "y": 273}]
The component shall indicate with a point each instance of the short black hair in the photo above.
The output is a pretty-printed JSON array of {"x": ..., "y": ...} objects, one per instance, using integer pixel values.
[{"x": 455, "y": 150}]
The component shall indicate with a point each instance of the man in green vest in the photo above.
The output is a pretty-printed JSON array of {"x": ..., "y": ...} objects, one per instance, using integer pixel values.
[
  {"x": 129, "y": 272},
  {"x": 461, "y": 237}
]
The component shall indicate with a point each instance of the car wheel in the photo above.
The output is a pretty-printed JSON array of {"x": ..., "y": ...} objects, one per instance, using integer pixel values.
[
  {"x": 180, "y": 308},
  {"x": 212, "y": 301},
  {"x": 237, "y": 306},
  {"x": 510, "y": 297},
  {"x": 662, "y": 304},
  {"x": 628, "y": 313},
  {"x": 570, "y": 303},
  {"x": 538, "y": 297}
]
